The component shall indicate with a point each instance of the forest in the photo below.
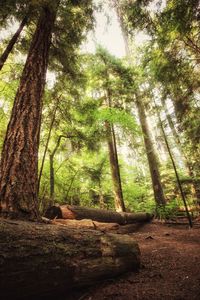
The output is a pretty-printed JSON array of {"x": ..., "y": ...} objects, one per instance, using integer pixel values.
[{"x": 100, "y": 153}]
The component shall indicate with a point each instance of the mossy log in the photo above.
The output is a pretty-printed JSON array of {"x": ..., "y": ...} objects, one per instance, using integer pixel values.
[
  {"x": 100, "y": 215},
  {"x": 38, "y": 260}
]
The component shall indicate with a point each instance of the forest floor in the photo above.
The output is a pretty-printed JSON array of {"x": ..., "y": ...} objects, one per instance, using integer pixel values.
[{"x": 170, "y": 267}]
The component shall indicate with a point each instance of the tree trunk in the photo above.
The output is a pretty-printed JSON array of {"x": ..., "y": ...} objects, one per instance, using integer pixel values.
[
  {"x": 118, "y": 169},
  {"x": 12, "y": 42},
  {"x": 47, "y": 142},
  {"x": 100, "y": 215},
  {"x": 52, "y": 181},
  {"x": 175, "y": 135},
  {"x": 152, "y": 159},
  {"x": 112, "y": 149},
  {"x": 175, "y": 170},
  {"x": 51, "y": 160},
  {"x": 118, "y": 196},
  {"x": 186, "y": 161},
  {"x": 19, "y": 164},
  {"x": 46, "y": 260}
]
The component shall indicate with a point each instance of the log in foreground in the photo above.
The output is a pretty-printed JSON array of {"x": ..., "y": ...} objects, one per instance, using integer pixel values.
[
  {"x": 100, "y": 215},
  {"x": 38, "y": 260}
]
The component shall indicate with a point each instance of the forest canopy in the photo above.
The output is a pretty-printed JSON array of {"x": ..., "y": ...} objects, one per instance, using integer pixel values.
[{"x": 93, "y": 129}]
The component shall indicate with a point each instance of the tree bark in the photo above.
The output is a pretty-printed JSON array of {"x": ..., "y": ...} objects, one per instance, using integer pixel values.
[
  {"x": 100, "y": 215},
  {"x": 46, "y": 260},
  {"x": 19, "y": 163},
  {"x": 12, "y": 42},
  {"x": 117, "y": 189},
  {"x": 152, "y": 159}
]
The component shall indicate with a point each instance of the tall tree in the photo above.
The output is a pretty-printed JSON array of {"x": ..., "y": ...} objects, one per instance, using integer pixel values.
[
  {"x": 151, "y": 155},
  {"x": 112, "y": 149},
  {"x": 112, "y": 67},
  {"x": 114, "y": 166},
  {"x": 150, "y": 151},
  {"x": 19, "y": 162},
  {"x": 114, "y": 82}
]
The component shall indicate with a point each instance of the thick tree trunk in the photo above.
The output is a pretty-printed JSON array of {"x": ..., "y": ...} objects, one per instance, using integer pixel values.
[
  {"x": 100, "y": 215},
  {"x": 152, "y": 159},
  {"x": 117, "y": 189},
  {"x": 19, "y": 164},
  {"x": 39, "y": 259},
  {"x": 12, "y": 42}
]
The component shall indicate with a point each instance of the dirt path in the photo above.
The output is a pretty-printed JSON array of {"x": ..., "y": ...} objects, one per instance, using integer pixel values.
[{"x": 170, "y": 268}]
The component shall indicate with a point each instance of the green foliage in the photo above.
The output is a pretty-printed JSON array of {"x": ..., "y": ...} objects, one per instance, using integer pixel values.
[
  {"x": 135, "y": 15},
  {"x": 91, "y": 89},
  {"x": 109, "y": 75},
  {"x": 179, "y": 17},
  {"x": 118, "y": 117},
  {"x": 136, "y": 196},
  {"x": 74, "y": 19},
  {"x": 170, "y": 210}
]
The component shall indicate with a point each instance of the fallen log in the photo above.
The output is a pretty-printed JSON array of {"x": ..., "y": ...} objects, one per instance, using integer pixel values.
[
  {"x": 85, "y": 223},
  {"x": 38, "y": 260},
  {"x": 105, "y": 227},
  {"x": 100, "y": 215}
]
